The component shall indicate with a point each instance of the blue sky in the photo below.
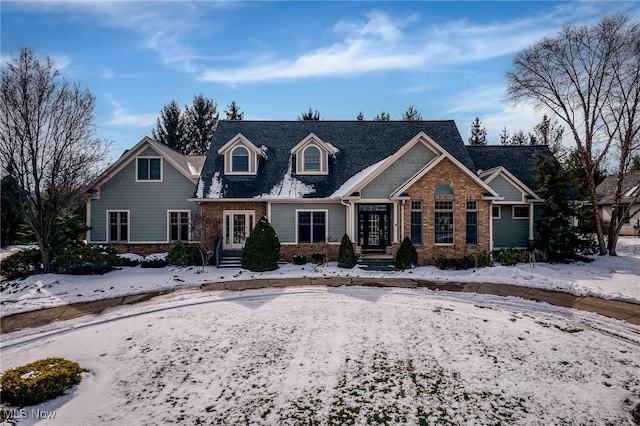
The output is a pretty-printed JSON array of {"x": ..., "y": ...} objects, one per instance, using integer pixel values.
[{"x": 277, "y": 59}]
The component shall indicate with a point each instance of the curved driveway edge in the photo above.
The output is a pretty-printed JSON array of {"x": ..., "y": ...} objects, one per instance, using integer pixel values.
[{"x": 625, "y": 311}]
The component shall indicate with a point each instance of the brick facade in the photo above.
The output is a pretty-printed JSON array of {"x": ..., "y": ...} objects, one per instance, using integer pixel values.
[
  {"x": 464, "y": 189},
  {"x": 143, "y": 249},
  {"x": 213, "y": 213},
  {"x": 288, "y": 250}
]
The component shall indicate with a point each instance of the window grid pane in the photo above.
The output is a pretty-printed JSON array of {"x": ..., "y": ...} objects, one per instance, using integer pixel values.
[
  {"x": 472, "y": 227},
  {"x": 443, "y": 221},
  {"x": 154, "y": 172},
  {"x": 240, "y": 160}
]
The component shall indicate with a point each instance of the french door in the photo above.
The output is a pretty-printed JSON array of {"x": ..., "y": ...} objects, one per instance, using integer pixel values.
[{"x": 237, "y": 228}]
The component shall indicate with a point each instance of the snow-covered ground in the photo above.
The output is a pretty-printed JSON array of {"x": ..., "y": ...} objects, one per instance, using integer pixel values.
[
  {"x": 607, "y": 277},
  {"x": 346, "y": 355}
]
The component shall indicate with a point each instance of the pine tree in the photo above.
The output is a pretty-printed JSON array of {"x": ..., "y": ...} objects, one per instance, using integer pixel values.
[
  {"x": 504, "y": 136},
  {"x": 346, "y": 255},
  {"x": 200, "y": 123},
  {"x": 549, "y": 133},
  {"x": 360, "y": 117},
  {"x": 309, "y": 115},
  {"x": 406, "y": 255},
  {"x": 262, "y": 248},
  {"x": 478, "y": 133},
  {"x": 557, "y": 234},
  {"x": 11, "y": 208},
  {"x": 383, "y": 116},
  {"x": 170, "y": 127},
  {"x": 411, "y": 114},
  {"x": 520, "y": 138},
  {"x": 233, "y": 111}
]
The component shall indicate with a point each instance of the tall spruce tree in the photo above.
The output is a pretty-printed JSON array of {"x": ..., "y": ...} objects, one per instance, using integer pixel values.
[
  {"x": 557, "y": 233},
  {"x": 478, "y": 133},
  {"x": 170, "y": 127},
  {"x": 262, "y": 248},
  {"x": 199, "y": 121},
  {"x": 233, "y": 111},
  {"x": 383, "y": 116},
  {"x": 360, "y": 117},
  {"x": 11, "y": 208},
  {"x": 309, "y": 115},
  {"x": 411, "y": 114}
]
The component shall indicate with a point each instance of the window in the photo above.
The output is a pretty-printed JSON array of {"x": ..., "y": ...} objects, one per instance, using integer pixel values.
[
  {"x": 520, "y": 212},
  {"x": 496, "y": 212},
  {"x": 240, "y": 159},
  {"x": 472, "y": 223},
  {"x": 312, "y": 227},
  {"x": 444, "y": 190},
  {"x": 149, "y": 169},
  {"x": 118, "y": 226},
  {"x": 311, "y": 159},
  {"x": 178, "y": 226},
  {"x": 621, "y": 211},
  {"x": 416, "y": 222},
  {"x": 443, "y": 220}
]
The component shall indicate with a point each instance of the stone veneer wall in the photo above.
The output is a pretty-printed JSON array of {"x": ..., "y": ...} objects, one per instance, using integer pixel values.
[{"x": 464, "y": 189}]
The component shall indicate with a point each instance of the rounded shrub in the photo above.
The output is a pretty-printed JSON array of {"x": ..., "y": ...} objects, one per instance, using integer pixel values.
[
  {"x": 406, "y": 255},
  {"x": 346, "y": 255},
  {"x": 510, "y": 256},
  {"x": 38, "y": 381},
  {"x": 262, "y": 248},
  {"x": 21, "y": 264},
  {"x": 299, "y": 259},
  {"x": 84, "y": 260},
  {"x": 184, "y": 255}
]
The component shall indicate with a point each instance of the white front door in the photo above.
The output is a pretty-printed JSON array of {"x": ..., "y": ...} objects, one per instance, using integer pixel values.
[{"x": 237, "y": 228}]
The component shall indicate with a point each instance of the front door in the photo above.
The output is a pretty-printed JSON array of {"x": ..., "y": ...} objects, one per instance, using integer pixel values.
[
  {"x": 373, "y": 227},
  {"x": 237, "y": 228}
]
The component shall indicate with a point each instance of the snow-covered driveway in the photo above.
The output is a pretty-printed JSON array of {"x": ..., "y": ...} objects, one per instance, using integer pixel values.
[{"x": 347, "y": 355}]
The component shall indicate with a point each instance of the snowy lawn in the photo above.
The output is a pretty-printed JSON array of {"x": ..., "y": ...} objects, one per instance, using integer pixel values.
[
  {"x": 349, "y": 355},
  {"x": 608, "y": 277}
]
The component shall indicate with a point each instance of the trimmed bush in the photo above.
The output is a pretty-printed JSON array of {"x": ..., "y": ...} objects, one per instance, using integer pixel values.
[
  {"x": 510, "y": 256},
  {"x": 299, "y": 259},
  {"x": 484, "y": 260},
  {"x": 184, "y": 255},
  {"x": 262, "y": 248},
  {"x": 406, "y": 255},
  {"x": 481, "y": 260},
  {"x": 21, "y": 264},
  {"x": 38, "y": 381},
  {"x": 84, "y": 260},
  {"x": 153, "y": 263},
  {"x": 346, "y": 255},
  {"x": 319, "y": 258}
]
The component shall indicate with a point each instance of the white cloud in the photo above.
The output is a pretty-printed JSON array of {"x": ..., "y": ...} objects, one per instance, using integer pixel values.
[{"x": 121, "y": 117}]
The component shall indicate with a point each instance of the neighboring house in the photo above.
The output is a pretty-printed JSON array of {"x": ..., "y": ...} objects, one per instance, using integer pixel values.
[
  {"x": 140, "y": 203},
  {"x": 630, "y": 199},
  {"x": 377, "y": 181}
]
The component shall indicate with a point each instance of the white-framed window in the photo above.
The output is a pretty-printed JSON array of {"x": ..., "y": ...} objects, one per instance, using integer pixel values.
[
  {"x": 312, "y": 161},
  {"x": 240, "y": 160},
  {"x": 443, "y": 222},
  {"x": 472, "y": 223},
  {"x": 416, "y": 222},
  {"x": 520, "y": 212},
  {"x": 496, "y": 211},
  {"x": 179, "y": 223},
  {"x": 118, "y": 226},
  {"x": 312, "y": 226},
  {"x": 149, "y": 169}
]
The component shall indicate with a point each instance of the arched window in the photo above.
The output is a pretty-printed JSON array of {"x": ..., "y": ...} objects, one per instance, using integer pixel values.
[
  {"x": 240, "y": 159},
  {"x": 311, "y": 159},
  {"x": 444, "y": 190}
]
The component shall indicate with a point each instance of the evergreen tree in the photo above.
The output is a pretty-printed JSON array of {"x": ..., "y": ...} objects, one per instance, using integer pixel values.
[
  {"x": 406, "y": 255},
  {"x": 504, "y": 136},
  {"x": 383, "y": 116},
  {"x": 360, "y": 117},
  {"x": 233, "y": 111},
  {"x": 309, "y": 116},
  {"x": 573, "y": 166},
  {"x": 200, "y": 123},
  {"x": 634, "y": 166},
  {"x": 11, "y": 208},
  {"x": 411, "y": 114},
  {"x": 262, "y": 248},
  {"x": 520, "y": 138},
  {"x": 346, "y": 255},
  {"x": 170, "y": 127},
  {"x": 478, "y": 133},
  {"x": 549, "y": 133},
  {"x": 557, "y": 234}
]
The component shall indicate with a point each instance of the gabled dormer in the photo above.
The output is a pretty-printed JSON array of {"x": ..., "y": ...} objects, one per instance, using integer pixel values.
[
  {"x": 241, "y": 156},
  {"x": 312, "y": 156}
]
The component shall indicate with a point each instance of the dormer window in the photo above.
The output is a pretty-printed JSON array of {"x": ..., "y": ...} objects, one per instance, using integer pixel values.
[
  {"x": 240, "y": 159},
  {"x": 311, "y": 159},
  {"x": 149, "y": 169}
]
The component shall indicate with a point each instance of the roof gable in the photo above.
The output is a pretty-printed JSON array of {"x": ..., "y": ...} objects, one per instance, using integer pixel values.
[
  {"x": 630, "y": 188},
  {"x": 490, "y": 175}
]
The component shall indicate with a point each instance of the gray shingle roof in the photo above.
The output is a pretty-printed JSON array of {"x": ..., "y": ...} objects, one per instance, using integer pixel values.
[
  {"x": 360, "y": 144},
  {"x": 518, "y": 159},
  {"x": 607, "y": 189}
]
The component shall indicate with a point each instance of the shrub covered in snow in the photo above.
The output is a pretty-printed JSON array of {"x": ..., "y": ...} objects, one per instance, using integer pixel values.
[
  {"x": 130, "y": 259},
  {"x": 21, "y": 264},
  {"x": 299, "y": 259},
  {"x": 510, "y": 256},
  {"x": 262, "y": 248},
  {"x": 406, "y": 255},
  {"x": 38, "y": 381},
  {"x": 346, "y": 255},
  {"x": 83, "y": 260}
]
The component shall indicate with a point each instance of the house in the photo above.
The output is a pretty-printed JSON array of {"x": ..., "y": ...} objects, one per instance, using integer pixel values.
[
  {"x": 376, "y": 181},
  {"x": 141, "y": 202},
  {"x": 630, "y": 199}
]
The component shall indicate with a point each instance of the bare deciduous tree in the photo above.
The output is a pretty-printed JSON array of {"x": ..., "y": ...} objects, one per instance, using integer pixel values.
[
  {"x": 588, "y": 76},
  {"x": 47, "y": 140}
]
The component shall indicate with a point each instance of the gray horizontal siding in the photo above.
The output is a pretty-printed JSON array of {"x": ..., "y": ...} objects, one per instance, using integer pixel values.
[
  {"x": 398, "y": 173},
  {"x": 147, "y": 202},
  {"x": 509, "y": 232},
  {"x": 506, "y": 189},
  {"x": 283, "y": 219}
]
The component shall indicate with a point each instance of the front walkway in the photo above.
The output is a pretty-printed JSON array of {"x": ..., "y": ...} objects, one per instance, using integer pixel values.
[{"x": 625, "y": 311}]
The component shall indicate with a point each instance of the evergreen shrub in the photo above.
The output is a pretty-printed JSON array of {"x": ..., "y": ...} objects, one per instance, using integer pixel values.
[
  {"x": 346, "y": 255},
  {"x": 21, "y": 264},
  {"x": 510, "y": 256},
  {"x": 38, "y": 381},
  {"x": 262, "y": 248},
  {"x": 84, "y": 260},
  {"x": 184, "y": 255},
  {"x": 406, "y": 255},
  {"x": 299, "y": 259}
]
